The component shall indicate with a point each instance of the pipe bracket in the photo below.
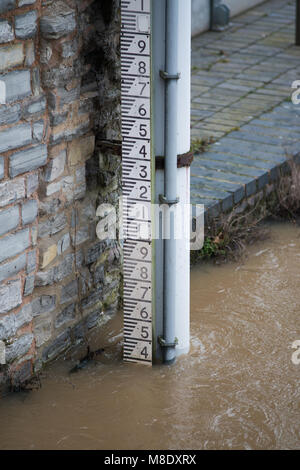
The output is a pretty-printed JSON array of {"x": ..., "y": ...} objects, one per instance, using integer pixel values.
[
  {"x": 169, "y": 76},
  {"x": 169, "y": 202},
  {"x": 164, "y": 344}
]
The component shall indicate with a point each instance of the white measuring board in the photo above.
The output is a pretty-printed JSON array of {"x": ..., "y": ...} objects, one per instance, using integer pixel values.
[{"x": 136, "y": 178}]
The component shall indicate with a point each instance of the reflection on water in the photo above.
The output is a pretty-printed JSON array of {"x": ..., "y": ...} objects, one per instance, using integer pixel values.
[{"x": 237, "y": 389}]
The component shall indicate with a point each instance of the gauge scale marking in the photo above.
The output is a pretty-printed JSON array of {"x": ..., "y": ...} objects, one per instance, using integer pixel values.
[{"x": 136, "y": 179}]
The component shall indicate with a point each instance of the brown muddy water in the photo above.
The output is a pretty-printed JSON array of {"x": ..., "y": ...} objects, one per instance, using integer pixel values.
[{"x": 237, "y": 389}]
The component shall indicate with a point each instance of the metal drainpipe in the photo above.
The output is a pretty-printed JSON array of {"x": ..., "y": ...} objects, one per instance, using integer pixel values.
[
  {"x": 170, "y": 75},
  {"x": 219, "y": 15},
  {"x": 211, "y": 17},
  {"x": 297, "y": 22}
]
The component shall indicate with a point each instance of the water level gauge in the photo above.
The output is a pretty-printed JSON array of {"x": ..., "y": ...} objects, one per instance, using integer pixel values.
[{"x": 136, "y": 178}]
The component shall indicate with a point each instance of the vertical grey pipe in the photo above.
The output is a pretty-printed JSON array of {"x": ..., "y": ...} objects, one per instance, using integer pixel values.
[
  {"x": 170, "y": 182},
  {"x": 211, "y": 14},
  {"x": 297, "y": 22}
]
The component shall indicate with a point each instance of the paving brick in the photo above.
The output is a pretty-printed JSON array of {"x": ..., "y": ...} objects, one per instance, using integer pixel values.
[
  {"x": 219, "y": 175},
  {"x": 205, "y": 188},
  {"x": 226, "y": 204},
  {"x": 251, "y": 188},
  {"x": 212, "y": 210},
  {"x": 285, "y": 134},
  {"x": 259, "y": 139},
  {"x": 238, "y": 191},
  {"x": 228, "y": 167},
  {"x": 263, "y": 180},
  {"x": 241, "y": 148},
  {"x": 236, "y": 161}
]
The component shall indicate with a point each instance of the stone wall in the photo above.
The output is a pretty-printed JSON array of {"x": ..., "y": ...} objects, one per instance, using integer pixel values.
[{"x": 59, "y": 159}]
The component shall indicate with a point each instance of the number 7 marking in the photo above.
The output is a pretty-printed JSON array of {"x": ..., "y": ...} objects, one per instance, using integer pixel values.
[{"x": 143, "y": 87}]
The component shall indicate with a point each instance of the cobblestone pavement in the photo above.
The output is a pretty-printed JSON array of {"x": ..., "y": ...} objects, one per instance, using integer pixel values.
[{"x": 241, "y": 97}]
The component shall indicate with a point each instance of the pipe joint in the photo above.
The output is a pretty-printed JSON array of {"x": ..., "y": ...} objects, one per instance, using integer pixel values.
[
  {"x": 170, "y": 202},
  {"x": 169, "y": 76},
  {"x": 163, "y": 344}
]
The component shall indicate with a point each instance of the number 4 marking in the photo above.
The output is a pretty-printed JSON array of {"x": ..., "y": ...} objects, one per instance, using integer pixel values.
[{"x": 144, "y": 352}]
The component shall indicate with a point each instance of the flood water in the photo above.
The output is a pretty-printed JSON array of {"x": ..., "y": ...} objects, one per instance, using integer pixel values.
[{"x": 237, "y": 389}]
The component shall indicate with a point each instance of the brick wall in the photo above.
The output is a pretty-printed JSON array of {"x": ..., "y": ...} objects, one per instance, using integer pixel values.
[{"x": 59, "y": 159}]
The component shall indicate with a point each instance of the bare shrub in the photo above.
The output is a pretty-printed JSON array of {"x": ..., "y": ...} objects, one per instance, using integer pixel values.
[
  {"x": 228, "y": 235},
  {"x": 288, "y": 192}
]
